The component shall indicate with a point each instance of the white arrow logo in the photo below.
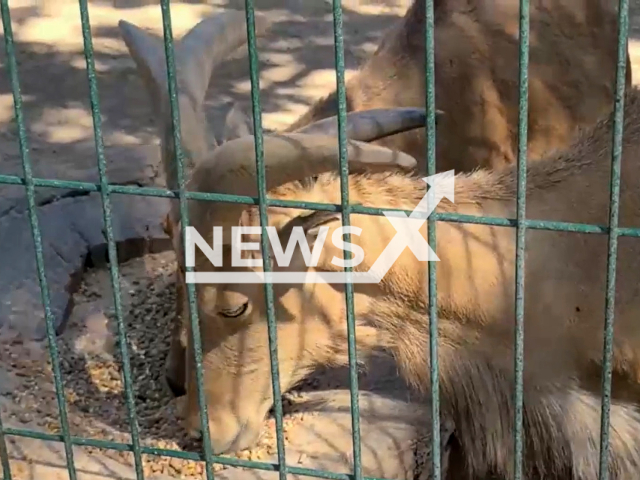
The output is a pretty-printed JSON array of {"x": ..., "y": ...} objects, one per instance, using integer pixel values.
[
  {"x": 407, "y": 235},
  {"x": 408, "y": 228}
]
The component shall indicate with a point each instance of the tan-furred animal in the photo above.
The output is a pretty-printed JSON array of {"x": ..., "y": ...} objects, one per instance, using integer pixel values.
[
  {"x": 572, "y": 60},
  {"x": 196, "y": 55},
  {"x": 571, "y": 72},
  {"x": 562, "y": 424},
  {"x": 565, "y": 276}
]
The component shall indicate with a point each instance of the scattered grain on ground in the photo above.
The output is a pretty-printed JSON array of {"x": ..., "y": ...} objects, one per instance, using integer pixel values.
[{"x": 90, "y": 360}]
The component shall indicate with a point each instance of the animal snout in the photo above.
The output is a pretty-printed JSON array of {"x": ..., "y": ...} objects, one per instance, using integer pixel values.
[{"x": 177, "y": 389}]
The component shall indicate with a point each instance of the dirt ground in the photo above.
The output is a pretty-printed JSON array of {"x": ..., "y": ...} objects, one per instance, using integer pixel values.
[
  {"x": 297, "y": 67},
  {"x": 317, "y": 424},
  {"x": 90, "y": 367},
  {"x": 54, "y": 84}
]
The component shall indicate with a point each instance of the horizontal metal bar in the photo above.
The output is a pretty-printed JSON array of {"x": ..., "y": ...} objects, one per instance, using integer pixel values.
[
  {"x": 198, "y": 457},
  {"x": 327, "y": 207}
]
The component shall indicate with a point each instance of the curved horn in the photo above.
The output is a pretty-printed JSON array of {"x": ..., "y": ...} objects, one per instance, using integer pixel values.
[
  {"x": 232, "y": 168},
  {"x": 196, "y": 54},
  {"x": 204, "y": 46},
  {"x": 372, "y": 125}
]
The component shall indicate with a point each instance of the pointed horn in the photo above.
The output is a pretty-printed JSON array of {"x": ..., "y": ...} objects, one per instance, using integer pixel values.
[
  {"x": 372, "y": 125},
  {"x": 232, "y": 168},
  {"x": 210, "y": 42},
  {"x": 196, "y": 54}
]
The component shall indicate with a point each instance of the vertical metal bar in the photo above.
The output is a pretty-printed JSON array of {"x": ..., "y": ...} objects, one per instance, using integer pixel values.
[
  {"x": 111, "y": 244},
  {"x": 431, "y": 239},
  {"x": 4, "y": 454},
  {"x": 37, "y": 236},
  {"x": 523, "y": 125},
  {"x": 184, "y": 217},
  {"x": 346, "y": 211},
  {"x": 272, "y": 328},
  {"x": 616, "y": 160}
]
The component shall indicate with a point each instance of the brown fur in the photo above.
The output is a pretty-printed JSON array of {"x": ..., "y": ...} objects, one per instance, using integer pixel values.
[
  {"x": 572, "y": 60},
  {"x": 564, "y": 313},
  {"x": 571, "y": 76},
  {"x": 476, "y": 82}
]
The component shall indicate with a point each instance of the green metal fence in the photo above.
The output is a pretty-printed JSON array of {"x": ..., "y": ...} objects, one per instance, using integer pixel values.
[{"x": 106, "y": 189}]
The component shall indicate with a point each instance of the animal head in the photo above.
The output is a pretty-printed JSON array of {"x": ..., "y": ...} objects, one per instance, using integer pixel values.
[
  {"x": 231, "y": 312},
  {"x": 233, "y": 315},
  {"x": 311, "y": 326}
]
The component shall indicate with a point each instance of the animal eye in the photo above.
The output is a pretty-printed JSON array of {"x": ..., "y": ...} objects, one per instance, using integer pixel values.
[{"x": 236, "y": 312}]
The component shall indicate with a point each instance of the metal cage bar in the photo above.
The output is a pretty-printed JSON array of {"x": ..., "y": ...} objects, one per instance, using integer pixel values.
[
  {"x": 184, "y": 222},
  {"x": 430, "y": 101},
  {"x": 111, "y": 244},
  {"x": 345, "y": 209},
  {"x": 4, "y": 454},
  {"x": 614, "y": 233},
  {"x": 222, "y": 460},
  {"x": 521, "y": 223},
  {"x": 327, "y": 207},
  {"x": 521, "y": 230},
  {"x": 272, "y": 329},
  {"x": 12, "y": 68}
]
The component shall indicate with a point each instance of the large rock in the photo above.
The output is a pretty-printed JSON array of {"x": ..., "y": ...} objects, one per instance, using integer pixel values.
[{"x": 72, "y": 229}]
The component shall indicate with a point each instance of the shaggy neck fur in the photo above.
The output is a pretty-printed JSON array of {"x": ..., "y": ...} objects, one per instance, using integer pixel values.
[{"x": 561, "y": 418}]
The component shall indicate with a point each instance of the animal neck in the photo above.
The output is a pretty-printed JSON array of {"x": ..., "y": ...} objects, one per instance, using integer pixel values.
[{"x": 475, "y": 274}]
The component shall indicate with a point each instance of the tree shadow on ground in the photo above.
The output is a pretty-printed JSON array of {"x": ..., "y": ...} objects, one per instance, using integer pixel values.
[{"x": 55, "y": 92}]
